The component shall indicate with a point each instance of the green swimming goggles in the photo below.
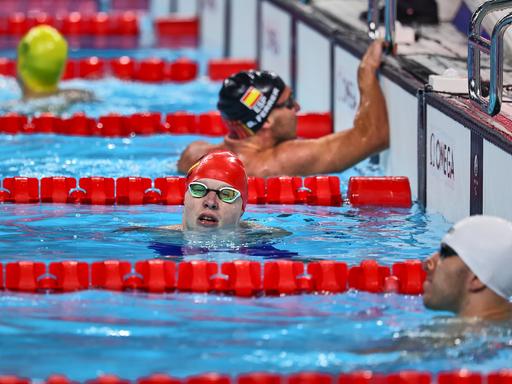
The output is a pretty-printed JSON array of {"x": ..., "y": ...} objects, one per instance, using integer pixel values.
[{"x": 226, "y": 194}]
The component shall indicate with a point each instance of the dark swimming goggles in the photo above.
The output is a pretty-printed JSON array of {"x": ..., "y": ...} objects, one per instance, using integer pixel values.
[
  {"x": 446, "y": 251},
  {"x": 225, "y": 194},
  {"x": 289, "y": 103}
]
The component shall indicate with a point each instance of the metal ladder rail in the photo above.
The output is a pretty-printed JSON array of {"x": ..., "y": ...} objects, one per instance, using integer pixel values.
[
  {"x": 494, "y": 47},
  {"x": 389, "y": 22}
]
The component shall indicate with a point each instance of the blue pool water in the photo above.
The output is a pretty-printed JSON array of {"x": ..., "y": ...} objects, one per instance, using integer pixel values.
[{"x": 134, "y": 334}]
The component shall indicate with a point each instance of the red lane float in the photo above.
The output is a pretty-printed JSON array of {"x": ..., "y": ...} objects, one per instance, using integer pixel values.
[
  {"x": 241, "y": 278},
  {"x": 325, "y": 190},
  {"x": 459, "y": 377},
  {"x": 75, "y": 23},
  {"x": 410, "y": 275},
  {"x": 196, "y": 276},
  {"x": 259, "y": 378},
  {"x": 211, "y": 124},
  {"x": 220, "y": 69},
  {"x": 97, "y": 190},
  {"x": 356, "y": 377},
  {"x": 244, "y": 277},
  {"x": 284, "y": 190},
  {"x": 157, "y": 275},
  {"x": 314, "y": 125},
  {"x": 257, "y": 190},
  {"x": 56, "y": 189},
  {"x": 70, "y": 275},
  {"x": 369, "y": 276},
  {"x": 115, "y": 125},
  {"x": 151, "y": 70},
  {"x": 379, "y": 191},
  {"x": 170, "y": 190},
  {"x": 173, "y": 31}
]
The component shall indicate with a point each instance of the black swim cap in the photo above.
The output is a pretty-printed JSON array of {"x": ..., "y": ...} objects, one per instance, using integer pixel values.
[{"x": 247, "y": 98}]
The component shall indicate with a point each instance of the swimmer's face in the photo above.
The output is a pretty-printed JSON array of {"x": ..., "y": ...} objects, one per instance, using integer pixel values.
[
  {"x": 446, "y": 284},
  {"x": 210, "y": 212},
  {"x": 284, "y": 117}
]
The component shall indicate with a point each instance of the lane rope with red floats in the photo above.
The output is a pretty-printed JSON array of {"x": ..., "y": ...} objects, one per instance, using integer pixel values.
[{"x": 380, "y": 191}]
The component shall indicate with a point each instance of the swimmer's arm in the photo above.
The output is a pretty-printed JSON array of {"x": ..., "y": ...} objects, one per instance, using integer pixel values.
[
  {"x": 193, "y": 153},
  {"x": 275, "y": 232},
  {"x": 341, "y": 150},
  {"x": 77, "y": 95}
]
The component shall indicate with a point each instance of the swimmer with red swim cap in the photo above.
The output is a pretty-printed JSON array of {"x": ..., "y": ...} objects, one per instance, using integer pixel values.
[{"x": 216, "y": 194}]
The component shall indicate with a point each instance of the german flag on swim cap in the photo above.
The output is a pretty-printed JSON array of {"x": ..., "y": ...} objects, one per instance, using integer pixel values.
[{"x": 247, "y": 98}]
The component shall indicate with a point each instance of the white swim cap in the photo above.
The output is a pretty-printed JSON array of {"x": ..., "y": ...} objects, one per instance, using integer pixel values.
[{"x": 484, "y": 243}]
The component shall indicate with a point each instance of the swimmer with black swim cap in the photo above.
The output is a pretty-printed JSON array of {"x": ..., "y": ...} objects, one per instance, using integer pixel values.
[
  {"x": 41, "y": 59},
  {"x": 261, "y": 113}
]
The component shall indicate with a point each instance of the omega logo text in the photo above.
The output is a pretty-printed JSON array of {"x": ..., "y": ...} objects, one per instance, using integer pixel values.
[{"x": 442, "y": 157}]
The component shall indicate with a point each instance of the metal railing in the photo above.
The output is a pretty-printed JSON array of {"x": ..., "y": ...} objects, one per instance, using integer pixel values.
[
  {"x": 389, "y": 21},
  {"x": 493, "y": 47}
]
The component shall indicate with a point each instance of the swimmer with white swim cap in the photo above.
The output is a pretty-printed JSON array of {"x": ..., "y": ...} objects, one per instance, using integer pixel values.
[
  {"x": 42, "y": 55},
  {"x": 470, "y": 275}
]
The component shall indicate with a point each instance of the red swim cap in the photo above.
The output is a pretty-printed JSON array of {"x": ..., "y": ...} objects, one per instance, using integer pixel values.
[{"x": 223, "y": 166}]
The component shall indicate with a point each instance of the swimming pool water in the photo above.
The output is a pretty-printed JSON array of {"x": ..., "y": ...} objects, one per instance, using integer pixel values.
[{"x": 88, "y": 333}]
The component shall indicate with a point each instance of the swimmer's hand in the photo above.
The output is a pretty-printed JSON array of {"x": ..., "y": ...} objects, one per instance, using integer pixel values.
[{"x": 370, "y": 63}]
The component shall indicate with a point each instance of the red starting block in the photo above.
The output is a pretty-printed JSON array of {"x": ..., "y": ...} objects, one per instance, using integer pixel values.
[
  {"x": 195, "y": 276},
  {"x": 280, "y": 277},
  {"x": 244, "y": 277},
  {"x": 158, "y": 275}
]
